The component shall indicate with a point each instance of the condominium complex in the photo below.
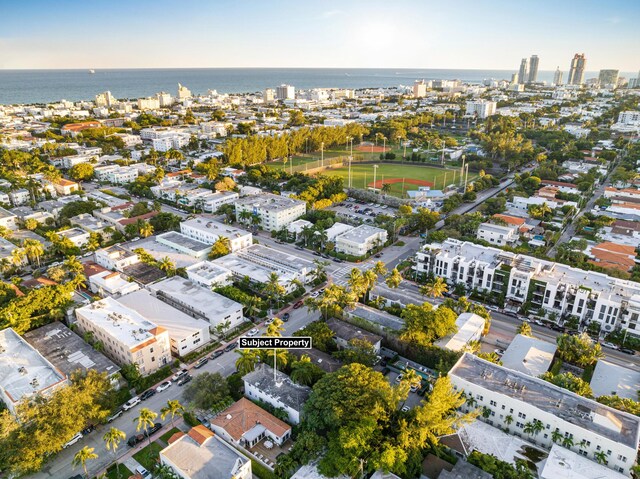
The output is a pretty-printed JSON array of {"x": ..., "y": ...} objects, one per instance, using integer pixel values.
[
  {"x": 523, "y": 73},
  {"x": 208, "y": 231},
  {"x": 608, "y": 78},
  {"x": 557, "y": 77},
  {"x": 274, "y": 211},
  {"x": 481, "y": 108},
  {"x": 533, "y": 69},
  {"x": 360, "y": 240},
  {"x": 126, "y": 335},
  {"x": 515, "y": 401},
  {"x": 419, "y": 89},
  {"x": 554, "y": 287},
  {"x": 576, "y": 70},
  {"x": 285, "y": 92}
]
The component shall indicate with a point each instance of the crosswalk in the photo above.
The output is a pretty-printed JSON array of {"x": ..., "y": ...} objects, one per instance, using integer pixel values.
[{"x": 340, "y": 276}]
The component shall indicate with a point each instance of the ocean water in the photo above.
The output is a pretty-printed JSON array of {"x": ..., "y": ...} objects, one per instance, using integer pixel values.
[{"x": 43, "y": 86}]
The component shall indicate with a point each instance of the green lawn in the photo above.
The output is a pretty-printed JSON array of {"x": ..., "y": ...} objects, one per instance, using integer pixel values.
[
  {"x": 361, "y": 175},
  {"x": 165, "y": 437},
  {"x": 148, "y": 456},
  {"x": 112, "y": 472},
  {"x": 314, "y": 160}
]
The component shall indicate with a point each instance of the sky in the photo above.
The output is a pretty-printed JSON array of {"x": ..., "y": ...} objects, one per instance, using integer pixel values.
[{"x": 474, "y": 34}]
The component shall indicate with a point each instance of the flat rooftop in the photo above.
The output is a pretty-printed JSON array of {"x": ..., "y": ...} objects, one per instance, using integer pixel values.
[
  {"x": 120, "y": 321},
  {"x": 207, "y": 270},
  {"x": 143, "y": 273},
  {"x": 67, "y": 351},
  {"x": 195, "y": 297},
  {"x": 468, "y": 325},
  {"x": 585, "y": 413},
  {"x": 402, "y": 295},
  {"x": 360, "y": 234},
  {"x": 6, "y": 247},
  {"x": 116, "y": 252},
  {"x": 566, "y": 464},
  {"x": 160, "y": 250},
  {"x": 529, "y": 355},
  {"x": 610, "y": 379},
  {"x": 178, "y": 239},
  {"x": 24, "y": 372},
  {"x": 215, "y": 227},
  {"x": 208, "y": 458},
  {"x": 71, "y": 232},
  {"x": 5, "y": 213},
  {"x": 348, "y": 332},
  {"x": 375, "y": 316},
  {"x": 269, "y": 201},
  {"x": 179, "y": 324},
  {"x": 278, "y": 258},
  {"x": 283, "y": 389}
]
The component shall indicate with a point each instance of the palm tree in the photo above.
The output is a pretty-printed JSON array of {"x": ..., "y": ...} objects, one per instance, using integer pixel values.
[
  {"x": 525, "y": 329},
  {"x": 244, "y": 215},
  {"x": 319, "y": 272},
  {"x": 164, "y": 471},
  {"x": 94, "y": 242},
  {"x": 537, "y": 427},
  {"x": 379, "y": 268},
  {"x": 281, "y": 357},
  {"x": 275, "y": 329},
  {"x": 508, "y": 420},
  {"x": 145, "y": 420},
  {"x": 273, "y": 288},
  {"x": 145, "y": 229},
  {"x": 34, "y": 250},
  {"x": 356, "y": 282},
  {"x": 17, "y": 256},
  {"x": 166, "y": 265},
  {"x": 112, "y": 439},
  {"x": 600, "y": 457},
  {"x": 394, "y": 279},
  {"x": 247, "y": 360},
  {"x": 435, "y": 289},
  {"x": 82, "y": 456},
  {"x": 302, "y": 371},
  {"x": 73, "y": 265},
  {"x": 221, "y": 247},
  {"x": 386, "y": 188},
  {"x": 556, "y": 436},
  {"x": 174, "y": 408},
  {"x": 251, "y": 306},
  {"x": 528, "y": 428},
  {"x": 567, "y": 442}
]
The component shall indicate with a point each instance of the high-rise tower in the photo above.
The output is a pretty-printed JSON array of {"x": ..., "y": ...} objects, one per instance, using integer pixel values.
[
  {"x": 557, "y": 77},
  {"x": 523, "y": 74},
  {"x": 576, "y": 71},
  {"x": 533, "y": 69}
]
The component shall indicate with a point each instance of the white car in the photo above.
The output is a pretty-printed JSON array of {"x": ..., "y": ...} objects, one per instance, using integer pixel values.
[
  {"x": 134, "y": 401},
  {"x": 268, "y": 321},
  {"x": 314, "y": 294},
  {"x": 405, "y": 408},
  {"x": 178, "y": 375},
  {"x": 609, "y": 345},
  {"x": 163, "y": 386},
  {"x": 73, "y": 440},
  {"x": 253, "y": 332}
]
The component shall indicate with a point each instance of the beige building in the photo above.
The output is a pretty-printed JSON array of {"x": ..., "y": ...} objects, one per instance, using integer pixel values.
[
  {"x": 126, "y": 335},
  {"x": 274, "y": 211}
]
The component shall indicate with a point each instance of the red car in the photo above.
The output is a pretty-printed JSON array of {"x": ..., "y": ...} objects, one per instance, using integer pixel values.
[{"x": 299, "y": 304}]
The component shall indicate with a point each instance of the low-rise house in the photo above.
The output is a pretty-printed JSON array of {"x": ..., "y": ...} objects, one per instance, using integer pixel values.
[
  {"x": 116, "y": 258},
  {"x": 209, "y": 275},
  {"x": 563, "y": 463},
  {"x": 376, "y": 316},
  {"x": 360, "y": 240},
  {"x": 20, "y": 197},
  {"x": 77, "y": 236},
  {"x": 65, "y": 187},
  {"x": 8, "y": 219},
  {"x": 345, "y": 332},
  {"x": 277, "y": 390},
  {"x": 184, "y": 244},
  {"x": 614, "y": 256},
  {"x": 200, "y": 454},
  {"x": 24, "y": 372},
  {"x": 497, "y": 234},
  {"x": 109, "y": 283},
  {"x": 612, "y": 380},
  {"x": 208, "y": 231},
  {"x": 186, "y": 334},
  {"x": 336, "y": 230},
  {"x": 246, "y": 424},
  {"x": 529, "y": 355},
  {"x": 90, "y": 224},
  {"x": 470, "y": 327}
]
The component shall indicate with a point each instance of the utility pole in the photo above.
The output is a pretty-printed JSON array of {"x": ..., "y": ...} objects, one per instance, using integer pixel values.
[
  {"x": 462, "y": 167},
  {"x": 444, "y": 183},
  {"x": 375, "y": 169},
  {"x": 404, "y": 155},
  {"x": 322, "y": 154},
  {"x": 466, "y": 178}
]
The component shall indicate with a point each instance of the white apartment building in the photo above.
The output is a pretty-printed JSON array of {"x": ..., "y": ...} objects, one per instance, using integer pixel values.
[
  {"x": 78, "y": 236},
  {"x": 24, "y": 372},
  {"x": 186, "y": 334},
  {"x": 164, "y": 99},
  {"x": 592, "y": 427},
  {"x": 278, "y": 390},
  {"x": 8, "y": 219},
  {"x": 105, "y": 99},
  {"x": 115, "y": 258},
  {"x": 208, "y": 274},
  {"x": 268, "y": 95},
  {"x": 214, "y": 128},
  {"x": 107, "y": 283},
  {"x": 208, "y": 231},
  {"x": 470, "y": 327},
  {"x": 275, "y": 211},
  {"x": 285, "y": 92},
  {"x": 129, "y": 140},
  {"x": 199, "y": 302},
  {"x": 166, "y": 143},
  {"x": 150, "y": 103},
  {"x": 497, "y": 234},
  {"x": 629, "y": 117},
  {"x": 360, "y": 240},
  {"x": 556, "y": 288},
  {"x": 20, "y": 197},
  {"x": 127, "y": 336},
  {"x": 481, "y": 108},
  {"x": 419, "y": 89},
  {"x": 115, "y": 174}
]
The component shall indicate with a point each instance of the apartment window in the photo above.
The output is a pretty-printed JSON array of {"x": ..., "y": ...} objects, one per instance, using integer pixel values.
[
  {"x": 503, "y": 407},
  {"x": 546, "y": 436},
  {"x": 622, "y": 458},
  {"x": 511, "y": 411},
  {"x": 582, "y": 452},
  {"x": 493, "y": 403},
  {"x": 609, "y": 452},
  {"x": 598, "y": 448},
  {"x": 153, "y": 358},
  {"x": 480, "y": 398},
  {"x": 150, "y": 350}
]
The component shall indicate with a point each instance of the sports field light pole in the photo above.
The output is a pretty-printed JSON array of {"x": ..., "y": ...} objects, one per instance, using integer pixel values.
[
  {"x": 466, "y": 178},
  {"x": 322, "y": 154},
  {"x": 462, "y": 167},
  {"x": 375, "y": 169}
]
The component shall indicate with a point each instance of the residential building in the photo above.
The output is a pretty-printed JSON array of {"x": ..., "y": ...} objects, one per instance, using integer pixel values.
[
  {"x": 481, "y": 108},
  {"x": 613, "y": 256},
  {"x": 200, "y": 454},
  {"x": 269, "y": 95},
  {"x": 8, "y": 219},
  {"x": 184, "y": 244},
  {"x": 608, "y": 78},
  {"x": 68, "y": 352},
  {"x": 24, "y": 372},
  {"x": 464, "y": 470},
  {"x": 612, "y": 380},
  {"x": 116, "y": 258},
  {"x": 529, "y": 355},
  {"x": 285, "y": 92},
  {"x": 277, "y": 390},
  {"x": 208, "y": 274},
  {"x": 209, "y": 231},
  {"x": 105, "y": 99},
  {"x": 419, "y": 89},
  {"x": 183, "y": 92},
  {"x": 65, "y": 187},
  {"x": 500, "y": 235},
  {"x": 336, "y": 230},
  {"x": 273, "y": 211},
  {"x": 199, "y": 302},
  {"x": 556, "y": 288},
  {"x": 592, "y": 427},
  {"x": 164, "y": 99},
  {"x": 77, "y": 236},
  {"x": 345, "y": 332},
  {"x": 73, "y": 129},
  {"x": 20, "y": 197},
  {"x": 563, "y": 463},
  {"x": 523, "y": 74},
  {"x": 629, "y": 117},
  {"x": 116, "y": 174},
  {"x": 258, "y": 262},
  {"x": 108, "y": 283},
  {"x": 376, "y": 317},
  {"x": 577, "y": 69},
  {"x": 533, "y": 69},
  {"x": 557, "y": 77},
  {"x": 186, "y": 334},
  {"x": 90, "y": 224},
  {"x": 469, "y": 328},
  {"x": 361, "y": 240},
  {"x": 151, "y": 103},
  {"x": 126, "y": 335},
  {"x": 246, "y": 424}
]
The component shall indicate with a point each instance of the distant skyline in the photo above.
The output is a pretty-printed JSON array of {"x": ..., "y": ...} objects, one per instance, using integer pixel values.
[{"x": 466, "y": 34}]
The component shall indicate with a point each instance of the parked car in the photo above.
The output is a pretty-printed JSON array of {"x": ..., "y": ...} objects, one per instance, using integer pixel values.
[
  {"x": 142, "y": 472},
  {"x": 314, "y": 294},
  {"x": 147, "y": 394},
  {"x": 134, "y": 401},
  {"x": 134, "y": 440},
  {"x": 163, "y": 386},
  {"x": 179, "y": 374},
  {"x": 379, "y": 255},
  {"x": 627, "y": 351},
  {"x": 298, "y": 304},
  {"x": 231, "y": 346},
  {"x": 117, "y": 413},
  {"x": 88, "y": 430},
  {"x": 609, "y": 345},
  {"x": 405, "y": 408},
  {"x": 499, "y": 351},
  {"x": 285, "y": 317},
  {"x": 152, "y": 430},
  {"x": 253, "y": 332},
  {"x": 73, "y": 440},
  {"x": 184, "y": 380},
  {"x": 268, "y": 321},
  {"x": 217, "y": 354},
  {"x": 399, "y": 378},
  {"x": 201, "y": 362}
]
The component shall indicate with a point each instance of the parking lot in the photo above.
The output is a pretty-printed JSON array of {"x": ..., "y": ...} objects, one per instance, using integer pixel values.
[
  {"x": 413, "y": 399},
  {"x": 361, "y": 211}
]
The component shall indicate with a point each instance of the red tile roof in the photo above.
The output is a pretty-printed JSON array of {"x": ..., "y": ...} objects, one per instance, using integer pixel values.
[{"x": 243, "y": 415}]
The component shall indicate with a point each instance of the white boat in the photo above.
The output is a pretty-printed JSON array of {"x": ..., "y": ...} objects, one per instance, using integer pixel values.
[{"x": 92, "y": 71}]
